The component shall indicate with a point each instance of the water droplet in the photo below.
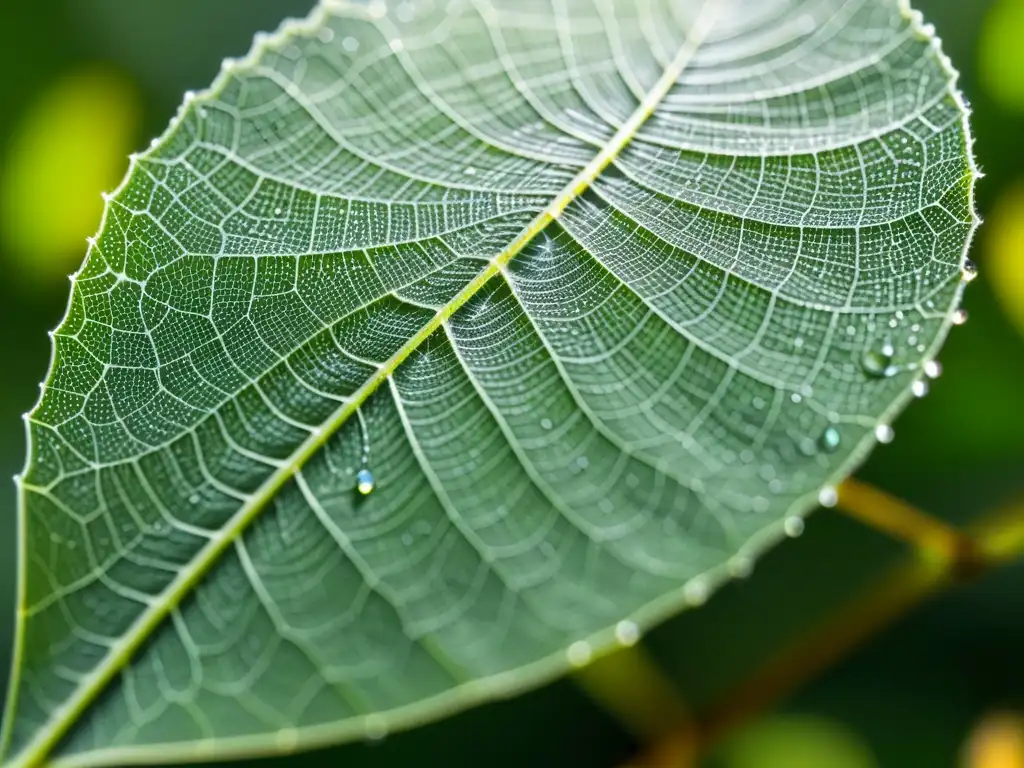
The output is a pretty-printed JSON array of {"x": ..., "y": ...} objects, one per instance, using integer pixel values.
[
  {"x": 878, "y": 362},
  {"x": 830, "y": 440},
  {"x": 884, "y": 434},
  {"x": 933, "y": 369},
  {"x": 350, "y": 44},
  {"x": 546, "y": 424},
  {"x": 375, "y": 727},
  {"x": 696, "y": 591},
  {"x": 277, "y": 211},
  {"x": 969, "y": 271},
  {"x": 741, "y": 566},
  {"x": 793, "y": 526},
  {"x": 193, "y": 498},
  {"x": 365, "y": 482},
  {"x": 582, "y": 462},
  {"x": 396, "y": 45},
  {"x": 919, "y": 388},
  {"x": 959, "y": 317},
  {"x": 796, "y": 397},
  {"x": 579, "y": 653},
  {"x": 828, "y": 496},
  {"x": 469, "y": 170},
  {"x": 627, "y": 633}
]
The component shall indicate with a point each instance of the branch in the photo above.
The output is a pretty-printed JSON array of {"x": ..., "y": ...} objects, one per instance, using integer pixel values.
[
  {"x": 931, "y": 537},
  {"x": 941, "y": 556}
]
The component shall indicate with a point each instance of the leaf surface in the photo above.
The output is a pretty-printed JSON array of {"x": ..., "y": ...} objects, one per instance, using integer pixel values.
[{"x": 602, "y": 294}]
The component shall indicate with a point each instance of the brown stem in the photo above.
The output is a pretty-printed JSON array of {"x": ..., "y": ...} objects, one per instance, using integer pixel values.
[{"x": 941, "y": 556}]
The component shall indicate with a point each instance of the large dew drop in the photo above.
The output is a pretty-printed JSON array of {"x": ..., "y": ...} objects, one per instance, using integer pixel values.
[
  {"x": 365, "y": 482},
  {"x": 830, "y": 440},
  {"x": 969, "y": 271},
  {"x": 878, "y": 362}
]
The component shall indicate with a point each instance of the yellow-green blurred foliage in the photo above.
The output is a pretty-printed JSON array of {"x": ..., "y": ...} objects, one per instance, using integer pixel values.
[
  {"x": 1001, "y": 53},
  {"x": 67, "y": 147},
  {"x": 997, "y": 742},
  {"x": 796, "y": 741},
  {"x": 1004, "y": 256}
]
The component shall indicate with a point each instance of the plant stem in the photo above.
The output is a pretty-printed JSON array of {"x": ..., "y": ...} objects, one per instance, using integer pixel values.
[
  {"x": 941, "y": 555},
  {"x": 894, "y": 517},
  {"x": 629, "y": 685}
]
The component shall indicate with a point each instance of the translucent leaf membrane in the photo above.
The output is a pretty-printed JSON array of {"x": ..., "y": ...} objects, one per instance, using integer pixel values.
[{"x": 442, "y": 345}]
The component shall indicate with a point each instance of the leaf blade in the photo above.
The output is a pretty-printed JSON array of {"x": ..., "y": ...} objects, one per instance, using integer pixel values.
[{"x": 576, "y": 217}]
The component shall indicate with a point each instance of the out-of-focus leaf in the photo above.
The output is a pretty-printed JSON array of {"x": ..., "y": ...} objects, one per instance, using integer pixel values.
[
  {"x": 440, "y": 347},
  {"x": 997, "y": 742},
  {"x": 795, "y": 741},
  {"x": 1004, "y": 255},
  {"x": 69, "y": 146},
  {"x": 1001, "y": 55}
]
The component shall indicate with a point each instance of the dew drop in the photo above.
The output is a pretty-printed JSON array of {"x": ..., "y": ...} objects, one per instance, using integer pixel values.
[
  {"x": 350, "y": 44},
  {"x": 830, "y": 440},
  {"x": 546, "y": 424},
  {"x": 365, "y": 482},
  {"x": 193, "y": 499},
  {"x": 396, "y": 45},
  {"x": 741, "y": 566},
  {"x": 469, "y": 170},
  {"x": 884, "y": 434},
  {"x": 375, "y": 727},
  {"x": 582, "y": 462},
  {"x": 627, "y": 633},
  {"x": 933, "y": 369},
  {"x": 878, "y": 362},
  {"x": 696, "y": 591},
  {"x": 828, "y": 496},
  {"x": 579, "y": 653},
  {"x": 969, "y": 271},
  {"x": 959, "y": 317},
  {"x": 793, "y": 526},
  {"x": 919, "y": 388}
]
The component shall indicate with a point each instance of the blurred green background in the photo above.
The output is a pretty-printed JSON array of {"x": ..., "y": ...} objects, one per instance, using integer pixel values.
[{"x": 85, "y": 82}]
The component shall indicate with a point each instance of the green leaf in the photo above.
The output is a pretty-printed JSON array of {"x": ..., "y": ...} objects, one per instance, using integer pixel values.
[{"x": 603, "y": 294}]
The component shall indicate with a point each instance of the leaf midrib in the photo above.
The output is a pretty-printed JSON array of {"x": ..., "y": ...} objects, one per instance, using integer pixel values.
[{"x": 46, "y": 738}]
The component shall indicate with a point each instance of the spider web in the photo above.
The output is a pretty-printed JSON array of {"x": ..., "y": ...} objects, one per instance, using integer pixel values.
[{"x": 598, "y": 279}]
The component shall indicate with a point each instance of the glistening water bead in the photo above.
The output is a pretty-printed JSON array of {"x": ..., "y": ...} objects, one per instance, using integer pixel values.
[
  {"x": 365, "y": 482},
  {"x": 969, "y": 271},
  {"x": 878, "y": 363},
  {"x": 830, "y": 439}
]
